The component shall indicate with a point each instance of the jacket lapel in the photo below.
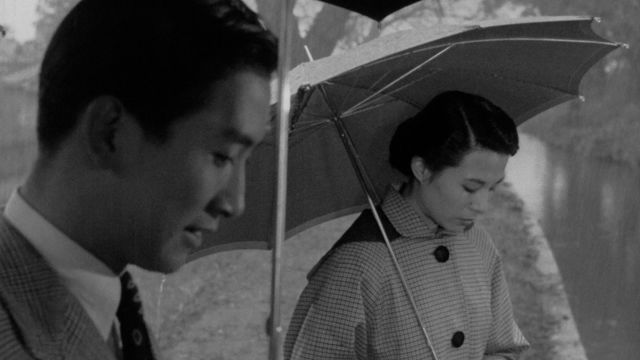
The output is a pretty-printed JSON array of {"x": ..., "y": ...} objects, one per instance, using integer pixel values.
[{"x": 52, "y": 322}]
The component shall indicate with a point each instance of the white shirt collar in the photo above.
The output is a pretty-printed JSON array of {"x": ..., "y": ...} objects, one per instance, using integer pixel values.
[{"x": 87, "y": 278}]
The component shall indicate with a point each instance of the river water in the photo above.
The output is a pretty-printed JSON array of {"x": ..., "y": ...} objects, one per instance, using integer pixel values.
[{"x": 590, "y": 212}]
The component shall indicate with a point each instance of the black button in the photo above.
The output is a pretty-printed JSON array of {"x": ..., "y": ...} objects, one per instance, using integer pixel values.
[
  {"x": 441, "y": 253},
  {"x": 458, "y": 339}
]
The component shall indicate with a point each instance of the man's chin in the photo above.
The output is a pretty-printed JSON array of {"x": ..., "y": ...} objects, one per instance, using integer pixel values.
[{"x": 165, "y": 265}]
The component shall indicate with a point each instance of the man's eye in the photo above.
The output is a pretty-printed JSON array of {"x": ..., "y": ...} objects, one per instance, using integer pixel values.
[{"x": 221, "y": 160}]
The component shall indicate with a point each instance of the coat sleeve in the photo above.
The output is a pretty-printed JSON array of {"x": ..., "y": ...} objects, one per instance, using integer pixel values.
[
  {"x": 329, "y": 319},
  {"x": 11, "y": 347},
  {"x": 505, "y": 340}
]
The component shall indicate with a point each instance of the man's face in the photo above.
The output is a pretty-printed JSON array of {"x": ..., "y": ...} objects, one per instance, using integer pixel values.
[
  {"x": 178, "y": 190},
  {"x": 456, "y": 196}
]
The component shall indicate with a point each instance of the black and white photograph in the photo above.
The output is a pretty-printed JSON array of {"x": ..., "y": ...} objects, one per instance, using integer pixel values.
[{"x": 319, "y": 179}]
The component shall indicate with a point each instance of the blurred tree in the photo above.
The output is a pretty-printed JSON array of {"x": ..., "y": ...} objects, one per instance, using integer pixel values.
[
  {"x": 327, "y": 27},
  {"x": 21, "y": 68},
  {"x": 50, "y": 14}
]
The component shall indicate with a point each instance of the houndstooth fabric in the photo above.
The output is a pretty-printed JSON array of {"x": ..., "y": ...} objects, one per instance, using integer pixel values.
[
  {"x": 354, "y": 306},
  {"x": 39, "y": 318}
]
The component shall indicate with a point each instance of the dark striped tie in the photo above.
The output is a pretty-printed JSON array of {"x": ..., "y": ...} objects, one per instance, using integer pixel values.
[{"x": 136, "y": 344}]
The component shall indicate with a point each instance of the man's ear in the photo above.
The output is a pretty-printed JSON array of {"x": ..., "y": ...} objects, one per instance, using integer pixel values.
[
  {"x": 103, "y": 119},
  {"x": 419, "y": 169}
]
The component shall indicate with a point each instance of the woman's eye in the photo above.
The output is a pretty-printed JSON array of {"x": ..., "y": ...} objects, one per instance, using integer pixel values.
[
  {"x": 469, "y": 190},
  {"x": 221, "y": 160}
]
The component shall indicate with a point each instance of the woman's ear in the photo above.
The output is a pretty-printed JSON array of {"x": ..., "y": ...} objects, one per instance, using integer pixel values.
[{"x": 419, "y": 169}]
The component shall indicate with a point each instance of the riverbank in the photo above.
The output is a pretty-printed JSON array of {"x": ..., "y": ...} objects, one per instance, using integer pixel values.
[
  {"x": 216, "y": 307},
  {"x": 540, "y": 304}
]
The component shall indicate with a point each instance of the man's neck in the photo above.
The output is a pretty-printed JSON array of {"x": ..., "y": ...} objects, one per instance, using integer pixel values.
[{"x": 64, "y": 204}]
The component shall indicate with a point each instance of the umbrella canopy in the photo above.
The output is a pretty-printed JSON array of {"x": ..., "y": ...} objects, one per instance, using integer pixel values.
[
  {"x": 375, "y": 9},
  {"x": 523, "y": 66}
]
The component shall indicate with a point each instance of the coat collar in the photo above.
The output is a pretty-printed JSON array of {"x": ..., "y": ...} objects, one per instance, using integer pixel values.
[
  {"x": 407, "y": 221},
  {"x": 52, "y": 322}
]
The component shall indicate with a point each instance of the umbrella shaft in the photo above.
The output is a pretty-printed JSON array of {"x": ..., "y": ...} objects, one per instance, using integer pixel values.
[
  {"x": 361, "y": 172},
  {"x": 352, "y": 152},
  {"x": 275, "y": 329},
  {"x": 403, "y": 279},
  {"x": 373, "y": 200}
]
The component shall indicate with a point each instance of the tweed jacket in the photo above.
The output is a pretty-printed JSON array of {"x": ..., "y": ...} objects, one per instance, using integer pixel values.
[
  {"x": 39, "y": 318},
  {"x": 354, "y": 306}
]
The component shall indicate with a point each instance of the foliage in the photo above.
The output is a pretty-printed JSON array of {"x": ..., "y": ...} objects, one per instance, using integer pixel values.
[
  {"x": 611, "y": 87},
  {"x": 50, "y": 14}
]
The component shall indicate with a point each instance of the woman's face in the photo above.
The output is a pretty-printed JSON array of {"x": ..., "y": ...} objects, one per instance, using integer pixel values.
[{"x": 456, "y": 196}]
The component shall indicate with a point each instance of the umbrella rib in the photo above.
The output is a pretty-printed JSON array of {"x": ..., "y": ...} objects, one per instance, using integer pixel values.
[
  {"x": 449, "y": 44},
  {"x": 409, "y": 72},
  {"x": 372, "y": 104},
  {"x": 361, "y": 106},
  {"x": 577, "y": 41},
  {"x": 308, "y": 125},
  {"x": 372, "y": 107}
]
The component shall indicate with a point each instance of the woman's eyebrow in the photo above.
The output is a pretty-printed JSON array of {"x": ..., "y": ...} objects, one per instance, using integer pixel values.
[{"x": 482, "y": 182}]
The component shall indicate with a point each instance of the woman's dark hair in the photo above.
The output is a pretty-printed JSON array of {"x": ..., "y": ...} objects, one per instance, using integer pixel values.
[
  {"x": 160, "y": 58},
  {"x": 451, "y": 125}
]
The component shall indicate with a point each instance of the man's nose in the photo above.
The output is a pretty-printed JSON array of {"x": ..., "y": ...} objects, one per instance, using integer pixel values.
[
  {"x": 230, "y": 201},
  {"x": 235, "y": 192}
]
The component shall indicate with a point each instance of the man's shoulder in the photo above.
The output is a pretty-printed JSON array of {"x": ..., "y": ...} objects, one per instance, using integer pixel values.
[
  {"x": 11, "y": 347},
  {"x": 11, "y": 242},
  {"x": 16, "y": 252},
  {"x": 37, "y": 313}
]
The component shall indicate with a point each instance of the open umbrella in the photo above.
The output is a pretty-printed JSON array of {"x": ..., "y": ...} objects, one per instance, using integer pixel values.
[
  {"x": 347, "y": 107},
  {"x": 357, "y": 98},
  {"x": 375, "y": 9}
]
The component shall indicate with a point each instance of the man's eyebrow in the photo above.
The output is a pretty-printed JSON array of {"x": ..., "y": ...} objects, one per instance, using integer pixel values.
[{"x": 233, "y": 135}]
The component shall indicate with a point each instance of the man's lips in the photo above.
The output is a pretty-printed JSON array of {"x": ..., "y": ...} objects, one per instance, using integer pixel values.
[{"x": 209, "y": 227}]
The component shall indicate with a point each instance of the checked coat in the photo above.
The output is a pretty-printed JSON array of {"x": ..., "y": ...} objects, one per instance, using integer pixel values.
[
  {"x": 354, "y": 306},
  {"x": 39, "y": 318}
]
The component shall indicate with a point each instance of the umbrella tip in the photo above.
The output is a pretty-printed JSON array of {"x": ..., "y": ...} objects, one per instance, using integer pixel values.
[
  {"x": 624, "y": 46},
  {"x": 582, "y": 98},
  {"x": 597, "y": 19}
]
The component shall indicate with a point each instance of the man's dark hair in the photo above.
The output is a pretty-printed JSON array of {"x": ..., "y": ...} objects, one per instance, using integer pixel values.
[
  {"x": 448, "y": 128},
  {"x": 160, "y": 58}
]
